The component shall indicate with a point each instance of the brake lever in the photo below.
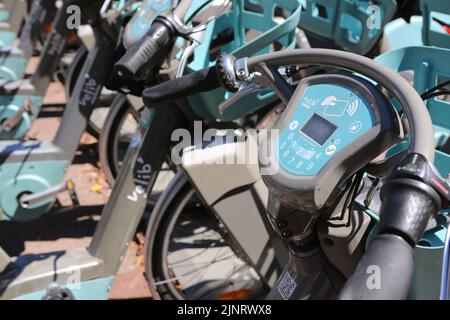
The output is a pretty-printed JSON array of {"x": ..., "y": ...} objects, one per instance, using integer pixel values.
[{"x": 244, "y": 91}]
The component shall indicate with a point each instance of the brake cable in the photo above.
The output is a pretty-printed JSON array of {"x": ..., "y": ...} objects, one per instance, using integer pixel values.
[
  {"x": 353, "y": 192},
  {"x": 434, "y": 91}
]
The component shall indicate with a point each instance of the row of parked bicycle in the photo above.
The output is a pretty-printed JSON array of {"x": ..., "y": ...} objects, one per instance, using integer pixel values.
[{"x": 348, "y": 195}]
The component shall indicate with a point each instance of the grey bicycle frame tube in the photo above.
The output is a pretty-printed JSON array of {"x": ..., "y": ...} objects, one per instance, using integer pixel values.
[
  {"x": 133, "y": 185},
  {"x": 56, "y": 42},
  {"x": 136, "y": 179},
  {"x": 51, "y": 53},
  {"x": 95, "y": 72},
  {"x": 417, "y": 114},
  {"x": 419, "y": 119},
  {"x": 18, "y": 12},
  {"x": 40, "y": 11}
]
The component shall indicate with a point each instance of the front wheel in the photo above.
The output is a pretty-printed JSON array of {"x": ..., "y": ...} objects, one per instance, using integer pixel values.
[
  {"x": 118, "y": 128},
  {"x": 191, "y": 255}
]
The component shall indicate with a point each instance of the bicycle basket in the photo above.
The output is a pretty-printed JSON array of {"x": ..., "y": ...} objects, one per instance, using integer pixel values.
[
  {"x": 353, "y": 25},
  {"x": 254, "y": 27}
]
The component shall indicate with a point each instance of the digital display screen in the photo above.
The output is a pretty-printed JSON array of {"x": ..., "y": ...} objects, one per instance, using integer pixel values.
[{"x": 318, "y": 129}]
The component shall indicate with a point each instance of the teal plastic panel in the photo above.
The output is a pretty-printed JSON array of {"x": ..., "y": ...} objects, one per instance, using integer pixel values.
[
  {"x": 430, "y": 66},
  {"x": 7, "y": 38},
  {"x": 343, "y": 117},
  {"x": 4, "y": 15},
  {"x": 97, "y": 289},
  {"x": 33, "y": 177},
  {"x": 353, "y": 25},
  {"x": 12, "y": 68}
]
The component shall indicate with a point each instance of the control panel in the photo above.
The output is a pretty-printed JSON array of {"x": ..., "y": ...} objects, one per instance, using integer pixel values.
[{"x": 328, "y": 117}]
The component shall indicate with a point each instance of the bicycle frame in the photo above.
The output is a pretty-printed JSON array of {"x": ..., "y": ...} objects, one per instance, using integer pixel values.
[
  {"x": 98, "y": 264},
  {"x": 22, "y": 100},
  {"x": 39, "y": 167},
  {"x": 27, "y": 278}
]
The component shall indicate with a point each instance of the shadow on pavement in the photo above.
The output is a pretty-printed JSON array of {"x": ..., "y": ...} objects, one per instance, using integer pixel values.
[{"x": 74, "y": 222}]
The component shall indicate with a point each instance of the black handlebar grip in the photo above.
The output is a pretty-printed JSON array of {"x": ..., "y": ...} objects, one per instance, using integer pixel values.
[
  {"x": 148, "y": 53},
  {"x": 407, "y": 206},
  {"x": 385, "y": 271},
  {"x": 203, "y": 80}
]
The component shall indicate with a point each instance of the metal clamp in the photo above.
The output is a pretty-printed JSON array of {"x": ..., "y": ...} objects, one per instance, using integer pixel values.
[
  {"x": 240, "y": 65},
  {"x": 187, "y": 31},
  {"x": 237, "y": 78}
]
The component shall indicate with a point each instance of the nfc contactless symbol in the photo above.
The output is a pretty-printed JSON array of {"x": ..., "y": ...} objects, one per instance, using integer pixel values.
[
  {"x": 334, "y": 107},
  {"x": 352, "y": 108},
  {"x": 355, "y": 127},
  {"x": 293, "y": 125},
  {"x": 330, "y": 149}
]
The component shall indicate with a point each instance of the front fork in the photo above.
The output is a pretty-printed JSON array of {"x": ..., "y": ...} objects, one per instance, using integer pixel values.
[
  {"x": 145, "y": 156},
  {"x": 308, "y": 273}
]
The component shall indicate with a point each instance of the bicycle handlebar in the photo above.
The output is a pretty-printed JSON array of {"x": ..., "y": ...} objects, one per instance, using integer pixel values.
[
  {"x": 411, "y": 102},
  {"x": 203, "y": 80},
  {"x": 386, "y": 270}
]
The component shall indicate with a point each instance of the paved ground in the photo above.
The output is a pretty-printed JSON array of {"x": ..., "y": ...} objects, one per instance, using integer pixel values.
[{"x": 68, "y": 227}]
